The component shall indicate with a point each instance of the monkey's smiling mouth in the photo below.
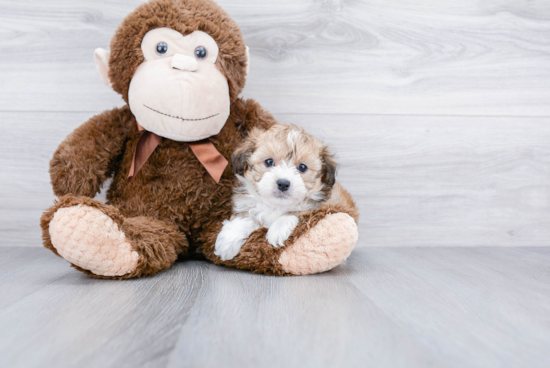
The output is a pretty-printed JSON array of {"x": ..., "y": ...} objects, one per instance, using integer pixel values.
[{"x": 178, "y": 117}]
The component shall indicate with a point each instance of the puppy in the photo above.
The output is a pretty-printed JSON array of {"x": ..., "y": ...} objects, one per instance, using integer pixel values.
[{"x": 282, "y": 171}]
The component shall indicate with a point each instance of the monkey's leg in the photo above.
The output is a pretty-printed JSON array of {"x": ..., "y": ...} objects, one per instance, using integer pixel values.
[
  {"x": 97, "y": 240},
  {"x": 321, "y": 241}
]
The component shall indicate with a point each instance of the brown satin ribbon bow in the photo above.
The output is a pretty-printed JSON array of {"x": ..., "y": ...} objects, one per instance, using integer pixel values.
[{"x": 206, "y": 153}]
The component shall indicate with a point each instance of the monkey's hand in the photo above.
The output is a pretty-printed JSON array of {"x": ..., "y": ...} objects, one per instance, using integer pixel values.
[{"x": 84, "y": 160}]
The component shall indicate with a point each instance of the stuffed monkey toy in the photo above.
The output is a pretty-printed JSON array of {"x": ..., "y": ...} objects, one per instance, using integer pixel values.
[{"x": 180, "y": 66}]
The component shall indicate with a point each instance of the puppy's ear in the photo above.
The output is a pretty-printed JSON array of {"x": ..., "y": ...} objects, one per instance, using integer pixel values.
[
  {"x": 241, "y": 155},
  {"x": 328, "y": 174}
]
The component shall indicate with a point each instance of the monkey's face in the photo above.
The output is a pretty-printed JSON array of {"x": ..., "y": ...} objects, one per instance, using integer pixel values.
[
  {"x": 178, "y": 92},
  {"x": 179, "y": 64}
]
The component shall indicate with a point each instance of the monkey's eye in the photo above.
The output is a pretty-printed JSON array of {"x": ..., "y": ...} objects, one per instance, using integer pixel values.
[
  {"x": 162, "y": 48},
  {"x": 302, "y": 168},
  {"x": 200, "y": 52},
  {"x": 269, "y": 162}
]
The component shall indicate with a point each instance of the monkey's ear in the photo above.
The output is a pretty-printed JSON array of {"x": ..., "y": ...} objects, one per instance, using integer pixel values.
[
  {"x": 329, "y": 168},
  {"x": 247, "y": 60},
  {"x": 101, "y": 58}
]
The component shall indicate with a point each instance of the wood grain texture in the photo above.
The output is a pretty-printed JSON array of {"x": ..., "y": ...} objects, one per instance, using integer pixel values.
[
  {"x": 443, "y": 181},
  {"x": 418, "y": 181},
  {"x": 460, "y": 57},
  {"x": 72, "y": 320},
  {"x": 398, "y": 307}
]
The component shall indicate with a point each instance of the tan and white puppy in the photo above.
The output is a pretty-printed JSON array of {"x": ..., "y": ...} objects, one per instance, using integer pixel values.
[{"x": 282, "y": 171}]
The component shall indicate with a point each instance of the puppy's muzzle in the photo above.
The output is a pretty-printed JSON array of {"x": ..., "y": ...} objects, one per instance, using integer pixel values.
[{"x": 283, "y": 185}]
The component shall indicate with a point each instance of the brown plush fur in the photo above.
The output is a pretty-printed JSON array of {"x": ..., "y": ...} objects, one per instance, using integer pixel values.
[
  {"x": 172, "y": 187},
  {"x": 172, "y": 206}
]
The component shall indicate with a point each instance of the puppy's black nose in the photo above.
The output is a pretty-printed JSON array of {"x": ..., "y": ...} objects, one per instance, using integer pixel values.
[{"x": 283, "y": 185}]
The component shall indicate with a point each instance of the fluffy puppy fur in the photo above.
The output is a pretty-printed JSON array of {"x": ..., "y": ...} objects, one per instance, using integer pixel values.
[{"x": 283, "y": 171}]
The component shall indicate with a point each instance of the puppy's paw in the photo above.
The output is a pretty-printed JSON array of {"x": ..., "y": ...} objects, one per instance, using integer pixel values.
[
  {"x": 232, "y": 237},
  {"x": 281, "y": 229}
]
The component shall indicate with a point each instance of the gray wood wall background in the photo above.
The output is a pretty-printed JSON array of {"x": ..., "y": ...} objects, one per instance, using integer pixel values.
[{"x": 439, "y": 111}]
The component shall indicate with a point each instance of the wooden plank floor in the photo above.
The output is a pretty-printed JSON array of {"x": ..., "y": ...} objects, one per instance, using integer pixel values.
[{"x": 385, "y": 307}]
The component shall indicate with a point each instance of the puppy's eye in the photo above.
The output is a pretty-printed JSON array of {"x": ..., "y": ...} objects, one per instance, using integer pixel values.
[
  {"x": 162, "y": 48},
  {"x": 269, "y": 162},
  {"x": 200, "y": 52},
  {"x": 302, "y": 168}
]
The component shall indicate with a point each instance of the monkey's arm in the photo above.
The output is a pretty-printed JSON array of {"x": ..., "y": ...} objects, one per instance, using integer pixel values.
[{"x": 86, "y": 158}]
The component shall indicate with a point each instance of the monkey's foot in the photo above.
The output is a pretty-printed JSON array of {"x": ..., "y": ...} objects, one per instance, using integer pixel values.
[
  {"x": 323, "y": 247},
  {"x": 91, "y": 240}
]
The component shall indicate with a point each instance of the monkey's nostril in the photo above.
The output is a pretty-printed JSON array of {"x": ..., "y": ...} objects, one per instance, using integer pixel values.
[{"x": 283, "y": 185}]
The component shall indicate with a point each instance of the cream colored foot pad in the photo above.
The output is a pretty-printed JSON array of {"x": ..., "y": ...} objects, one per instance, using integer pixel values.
[
  {"x": 324, "y": 247},
  {"x": 90, "y": 239}
]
